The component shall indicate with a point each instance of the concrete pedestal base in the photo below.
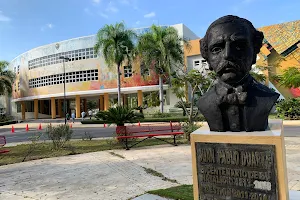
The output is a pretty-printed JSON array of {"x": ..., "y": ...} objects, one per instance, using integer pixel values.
[{"x": 240, "y": 164}]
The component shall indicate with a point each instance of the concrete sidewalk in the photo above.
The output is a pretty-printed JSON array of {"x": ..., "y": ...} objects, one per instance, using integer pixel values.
[{"x": 101, "y": 175}]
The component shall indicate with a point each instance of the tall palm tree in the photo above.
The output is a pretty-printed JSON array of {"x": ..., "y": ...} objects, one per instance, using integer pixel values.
[
  {"x": 162, "y": 48},
  {"x": 116, "y": 43},
  {"x": 6, "y": 79}
]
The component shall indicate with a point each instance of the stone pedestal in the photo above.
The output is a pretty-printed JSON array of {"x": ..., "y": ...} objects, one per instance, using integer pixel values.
[{"x": 239, "y": 165}]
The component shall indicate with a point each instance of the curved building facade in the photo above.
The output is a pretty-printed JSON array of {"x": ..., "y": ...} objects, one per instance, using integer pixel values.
[{"x": 39, "y": 87}]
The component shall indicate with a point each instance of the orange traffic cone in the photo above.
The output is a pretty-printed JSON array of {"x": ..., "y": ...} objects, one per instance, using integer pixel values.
[
  {"x": 27, "y": 128},
  {"x": 71, "y": 126},
  {"x": 104, "y": 125},
  {"x": 12, "y": 129},
  {"x": 139, "y": 123},
  {"x": 40, "y": 127}
]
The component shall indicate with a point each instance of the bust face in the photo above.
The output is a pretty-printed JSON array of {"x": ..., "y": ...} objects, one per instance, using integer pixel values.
[{"x": 230, "y": 51}]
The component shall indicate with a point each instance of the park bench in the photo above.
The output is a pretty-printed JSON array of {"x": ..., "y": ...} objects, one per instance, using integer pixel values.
[
  {"x": 151, "y": 131},
  {"x": 2, "y": 143}
]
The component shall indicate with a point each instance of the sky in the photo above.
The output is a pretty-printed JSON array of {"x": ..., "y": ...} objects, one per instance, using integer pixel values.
[{"x": 26, "y": 24}]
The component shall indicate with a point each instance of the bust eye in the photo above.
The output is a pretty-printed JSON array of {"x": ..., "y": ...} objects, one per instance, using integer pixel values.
[{"x": 216, "y": 50}]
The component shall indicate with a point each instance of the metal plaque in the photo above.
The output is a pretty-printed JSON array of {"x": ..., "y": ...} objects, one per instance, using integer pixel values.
[{"x": 236, "y": 171}]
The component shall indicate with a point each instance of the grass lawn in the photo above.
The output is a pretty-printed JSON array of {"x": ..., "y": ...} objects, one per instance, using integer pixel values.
[
  {"x": 44, "y": 150},
  {"x": 182, "y": 192}
]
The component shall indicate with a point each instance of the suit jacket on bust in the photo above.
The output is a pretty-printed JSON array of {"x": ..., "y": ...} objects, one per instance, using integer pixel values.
[{"x": 251, "y": 115}]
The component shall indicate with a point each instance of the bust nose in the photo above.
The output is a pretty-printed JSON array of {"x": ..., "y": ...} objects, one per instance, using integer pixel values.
[{"x": 228, "y": 52}]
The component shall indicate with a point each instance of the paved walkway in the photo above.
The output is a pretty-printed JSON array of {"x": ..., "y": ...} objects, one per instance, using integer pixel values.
[{"x": 101, "y": 175}]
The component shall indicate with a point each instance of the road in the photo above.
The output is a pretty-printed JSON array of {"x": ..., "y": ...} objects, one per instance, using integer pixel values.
[
  {"x": 97, "y": 132},
  {"x": 22, "y": 136}
]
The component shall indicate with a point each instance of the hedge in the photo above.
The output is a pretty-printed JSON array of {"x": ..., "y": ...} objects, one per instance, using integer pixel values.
[
  {"x": 166, "y": 119},
  {"x": 7, "y": 123}
]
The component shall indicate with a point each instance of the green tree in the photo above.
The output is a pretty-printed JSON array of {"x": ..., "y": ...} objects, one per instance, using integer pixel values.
[
  {"x": 260, "y": 77},
  {"x": 7, "y": 78},
  {"x": 198, "y": 83},
  {"x": 116, "y": 43},
  {"x": 161, "y": 48},
  {"x": 289, "y": 78}
]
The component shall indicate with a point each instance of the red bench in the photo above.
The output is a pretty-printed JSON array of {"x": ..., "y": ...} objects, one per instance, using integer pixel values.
[
  {"x": 151, "y": 131},
  {"x": 2, "y": 143}
]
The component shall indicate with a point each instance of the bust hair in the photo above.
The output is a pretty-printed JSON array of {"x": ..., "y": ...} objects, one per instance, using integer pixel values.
[{"x": 257, "y": 36}]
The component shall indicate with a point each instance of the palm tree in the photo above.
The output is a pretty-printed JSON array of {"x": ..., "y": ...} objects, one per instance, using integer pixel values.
[
  {"x": 116, "y": 44},
  {"x": 161, "y": 48},
  {"x": 6, "y": 79}
]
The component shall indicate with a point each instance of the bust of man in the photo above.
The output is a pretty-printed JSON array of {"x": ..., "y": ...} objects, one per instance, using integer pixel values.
[{"x": 236, "y": 102}]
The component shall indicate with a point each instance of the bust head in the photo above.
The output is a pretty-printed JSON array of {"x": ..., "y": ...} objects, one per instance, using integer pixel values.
[{"x": 230, "y": 46}]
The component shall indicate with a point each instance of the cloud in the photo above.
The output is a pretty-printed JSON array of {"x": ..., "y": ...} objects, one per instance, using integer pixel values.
[
  {"x": 124, "y": 2},
  {"x": 111, "y": 8},
  {"x": 103, "y": 15},
  {"x": 4, "y": 18},
  {"x": 248, "y": 1},
  {"x": 149, "y": 15},
  {"x": 96, "y": 1},
  {"x": 87, "y": 11},
  {"x": 47, "y": 26},
  {"x": 137, "y": 22}
]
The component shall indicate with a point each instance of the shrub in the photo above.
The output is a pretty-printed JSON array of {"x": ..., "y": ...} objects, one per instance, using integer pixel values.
[
  {"x": 5, "y": 118},
  {"x": 289, "y": 108},
  {"x": 140, "y": 115},
  {"x": 188, "y": 128},
  {"x": 59, "y": 135},
  {"x": 181, "y": 105},
  {"x": 161, "y": 115},
  {"x": 118, "y": 115}
]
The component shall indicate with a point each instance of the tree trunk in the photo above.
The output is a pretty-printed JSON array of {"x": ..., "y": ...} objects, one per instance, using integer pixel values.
[
  {"x": 192, "y": 107},
  {"x": 119, "y": 86},
  {"x": 161, "y": 94}
]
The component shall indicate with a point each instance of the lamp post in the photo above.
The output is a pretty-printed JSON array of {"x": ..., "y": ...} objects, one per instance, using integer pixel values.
[{"x": 65, "y": 109}]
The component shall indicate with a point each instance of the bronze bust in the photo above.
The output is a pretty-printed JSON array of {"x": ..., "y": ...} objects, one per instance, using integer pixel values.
[{"x": 236, "y": 102}]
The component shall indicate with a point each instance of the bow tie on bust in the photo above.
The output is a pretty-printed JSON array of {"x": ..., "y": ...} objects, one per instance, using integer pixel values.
[{"x": 231, "y": 95}]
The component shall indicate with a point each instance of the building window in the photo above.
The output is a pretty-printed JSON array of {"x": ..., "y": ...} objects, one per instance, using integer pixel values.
[
  {"x": 18, "y": 69},
  {"x": 80, "y": 54},
  {"x": 144, "y": 70},
  {"x": 19, "y": 86},
  {"x": 18, "y": 104},
  {"x": 71, "y": 77},
  {"x": 204, "y": 64},
  {"x": 290, "y": 49},
  {"x": 127, "y": 71},
  {"x": 29, "y": 105},
  {"x": 196, "y": 63}
]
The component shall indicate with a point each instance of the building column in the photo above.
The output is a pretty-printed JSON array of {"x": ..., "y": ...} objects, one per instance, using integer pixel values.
[
  {"x": 59, "y": 108},
  {"x": 77, "y": 106},
  {"x": 23, "y": 109},
  {"x": 101, "y": 102},
  {"x": 53, "y": 108},
  {"x": 125, "y": 102},
  {"x": 106, "y": 101},
  {"x": 36, "y": 108},
  {"x": 140, "y": 97}
]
